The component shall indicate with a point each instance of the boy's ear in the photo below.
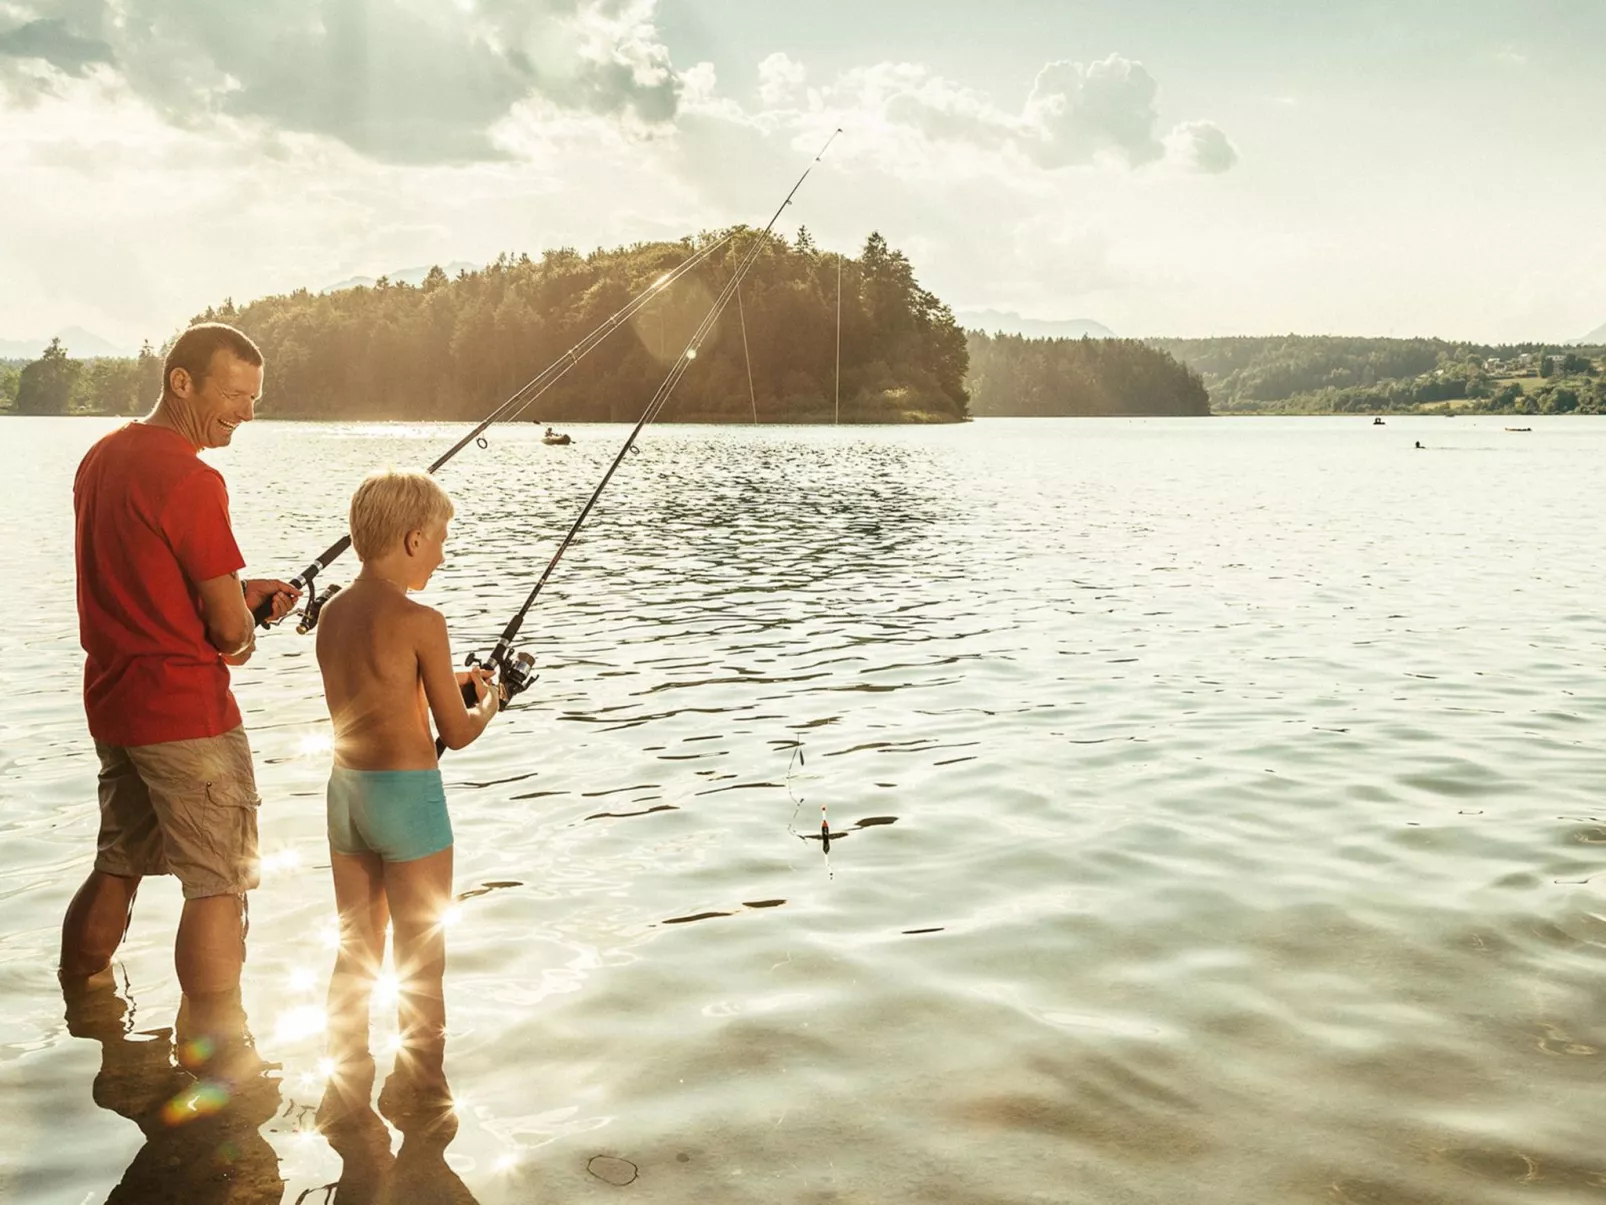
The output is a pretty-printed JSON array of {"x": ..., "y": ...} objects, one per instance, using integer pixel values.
[{"x": 411, "y": 541}]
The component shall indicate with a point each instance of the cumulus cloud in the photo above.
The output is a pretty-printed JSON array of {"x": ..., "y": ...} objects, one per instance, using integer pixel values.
[
  {"x": 1075, "y": 115},
  {"x": 1202, "y": 146},
  {"x": 781, "y": 81},
  {"x": 1080, "y": 111},
  {"x": 398, "y": 80}
]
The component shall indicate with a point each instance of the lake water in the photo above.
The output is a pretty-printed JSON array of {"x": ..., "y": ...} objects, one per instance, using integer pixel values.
[{"x": 1220, "y": 813}]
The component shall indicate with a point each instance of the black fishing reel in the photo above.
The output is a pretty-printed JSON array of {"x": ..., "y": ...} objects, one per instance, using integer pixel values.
[
  {"x": 512, "y": 676},
  {"x": 313, "y": 608}
]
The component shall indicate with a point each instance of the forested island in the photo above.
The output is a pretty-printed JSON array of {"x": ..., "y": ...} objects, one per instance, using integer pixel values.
[
  {"x": 1015, "y": 375},
  {"x": 454, "y": 348},
  {"x": 1326, "y": 374}
]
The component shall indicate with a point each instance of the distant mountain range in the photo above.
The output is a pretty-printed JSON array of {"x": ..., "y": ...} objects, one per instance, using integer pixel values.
[
  {"x": 81, "y": 344},
  {"x": 1003, "y": 322},
  {"x": 1595, "y": 337},
  {"x": 410, "y": 276}
]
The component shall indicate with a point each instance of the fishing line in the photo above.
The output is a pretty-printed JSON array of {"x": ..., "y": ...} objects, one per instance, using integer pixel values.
[
  {"x": 514, "y": 672},
  {"x": 797, "y": 804},
  {"x": 522, "y": 399}
]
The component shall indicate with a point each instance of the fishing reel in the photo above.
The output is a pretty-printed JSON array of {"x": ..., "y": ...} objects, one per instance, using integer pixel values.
[
  {"x": 513, "y": 677},
  {"x": 313, "y": 608}
]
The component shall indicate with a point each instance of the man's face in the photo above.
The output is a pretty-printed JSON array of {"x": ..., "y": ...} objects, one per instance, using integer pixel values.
[{"x": 225, "y": 399}]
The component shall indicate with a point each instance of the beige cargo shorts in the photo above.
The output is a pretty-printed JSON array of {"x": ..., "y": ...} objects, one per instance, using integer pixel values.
[{"x": 184, "y": 808}]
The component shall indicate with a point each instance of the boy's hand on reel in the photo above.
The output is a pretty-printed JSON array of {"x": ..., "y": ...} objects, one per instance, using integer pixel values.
[{"x": 480, "y": 677}]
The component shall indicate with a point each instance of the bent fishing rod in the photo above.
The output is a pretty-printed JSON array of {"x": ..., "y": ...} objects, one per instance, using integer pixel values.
[
  {"x": 514, "y": 672},
  {"x": 508, "y": 411}
]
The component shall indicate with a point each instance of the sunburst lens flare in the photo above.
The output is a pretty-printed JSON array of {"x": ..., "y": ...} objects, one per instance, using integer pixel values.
[
  {"x": 314, "y": 744},
  {"x": 386, "y": 989}
]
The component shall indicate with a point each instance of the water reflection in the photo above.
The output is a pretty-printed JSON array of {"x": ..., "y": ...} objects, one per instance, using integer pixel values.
[
  {"x": 200, "y": 1099},
  {"x": 370, "y": 1174}
]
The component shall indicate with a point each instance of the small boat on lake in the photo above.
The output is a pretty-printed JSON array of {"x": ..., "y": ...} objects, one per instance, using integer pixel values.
[
  {"x": 1519, "y": 428},
  {"x": 1377, "y": 421},
  {"x": 552, "y": 437}
]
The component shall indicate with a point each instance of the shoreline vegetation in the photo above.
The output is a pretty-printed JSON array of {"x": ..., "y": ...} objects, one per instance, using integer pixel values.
[
  {"x": 1326, "y": 374},
  {"x": 452, "y": 348}
]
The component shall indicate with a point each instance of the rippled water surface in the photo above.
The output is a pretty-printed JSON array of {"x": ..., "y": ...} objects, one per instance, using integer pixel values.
[{"x": 1220, "y": 807}]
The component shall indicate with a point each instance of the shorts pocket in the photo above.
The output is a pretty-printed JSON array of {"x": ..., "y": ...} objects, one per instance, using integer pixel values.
[
  {"x": 231, "y": 794},
  {"x": 229, "y": 821}
]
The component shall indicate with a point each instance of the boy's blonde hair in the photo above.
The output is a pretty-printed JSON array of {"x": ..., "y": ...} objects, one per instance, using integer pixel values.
[{"x": 391, "y": 503}]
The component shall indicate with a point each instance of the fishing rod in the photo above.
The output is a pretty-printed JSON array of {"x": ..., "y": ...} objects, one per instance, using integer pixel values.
[
  {"x": 510, "y": 410},
  {"x": 514, "y": 671}
]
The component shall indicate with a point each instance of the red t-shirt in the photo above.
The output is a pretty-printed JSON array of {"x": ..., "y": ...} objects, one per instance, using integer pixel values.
[{"x": 152, "y": 521}]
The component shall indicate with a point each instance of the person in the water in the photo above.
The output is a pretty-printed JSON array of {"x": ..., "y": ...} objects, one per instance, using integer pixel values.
[{"x": 387, "y": 667}]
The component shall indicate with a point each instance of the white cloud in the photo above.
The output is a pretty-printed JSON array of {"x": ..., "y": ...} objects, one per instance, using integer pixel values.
[
  {"x": 781, "y": 82},
  {"x": 134, "y": 205},
  {"x": 1080, "y": 112},
  {"x": 1076, "y": 115},
  {"x": 1201, "y": 146},
  {"x": 397, "y": 80}
]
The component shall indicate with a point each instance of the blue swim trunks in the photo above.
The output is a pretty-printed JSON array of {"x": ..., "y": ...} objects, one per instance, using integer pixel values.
[{"x": 398, "y": 814}]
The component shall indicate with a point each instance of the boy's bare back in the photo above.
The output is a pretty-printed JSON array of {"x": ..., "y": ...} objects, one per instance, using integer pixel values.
[{"x": 371, "y": 638}]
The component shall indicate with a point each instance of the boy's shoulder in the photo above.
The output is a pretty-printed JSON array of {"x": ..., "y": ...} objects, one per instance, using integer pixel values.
[{"x": 371, "y": 607}]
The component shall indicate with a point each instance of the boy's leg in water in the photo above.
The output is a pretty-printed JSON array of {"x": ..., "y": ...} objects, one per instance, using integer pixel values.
[
  {"x": 420, "y": 892},
  {"x": 364, "y": 914}
]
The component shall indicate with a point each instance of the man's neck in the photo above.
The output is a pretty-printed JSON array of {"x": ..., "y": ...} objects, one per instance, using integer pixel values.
[{"x": 176, "y": 417}]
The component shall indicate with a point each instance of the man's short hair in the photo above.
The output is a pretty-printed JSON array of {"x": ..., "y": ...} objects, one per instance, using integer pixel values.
[
  {"x": 391, "y": 503},
  {"x": 193, "y": 351}
]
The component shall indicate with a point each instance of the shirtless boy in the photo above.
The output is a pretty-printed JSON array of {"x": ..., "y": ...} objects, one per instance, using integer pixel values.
[{"x": 387, "y": 667}]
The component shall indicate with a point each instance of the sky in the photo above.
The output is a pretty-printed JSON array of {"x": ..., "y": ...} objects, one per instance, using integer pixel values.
[{"x": 1163, "y": 167}]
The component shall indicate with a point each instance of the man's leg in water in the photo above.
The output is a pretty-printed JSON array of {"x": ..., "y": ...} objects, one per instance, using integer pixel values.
[
  {"x": 95, "y": 923},
  {"x": 211, "y": 945}
]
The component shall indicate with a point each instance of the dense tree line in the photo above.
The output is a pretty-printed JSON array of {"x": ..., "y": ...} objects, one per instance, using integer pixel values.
[
  {"x": 1015, "y": 375},
  {"x": 1328, "y": 373},
  {"x": 56, "y": 383},
  {"x": 455, "y": 348},
  {"x": 1459, "y": 394}
]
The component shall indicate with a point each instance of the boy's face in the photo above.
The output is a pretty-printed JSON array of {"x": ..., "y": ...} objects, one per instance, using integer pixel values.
[{"x": 428, "y": 547}]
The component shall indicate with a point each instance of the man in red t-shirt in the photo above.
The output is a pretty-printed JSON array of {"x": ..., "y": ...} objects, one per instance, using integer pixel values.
[{"x": 162, "y": 614}]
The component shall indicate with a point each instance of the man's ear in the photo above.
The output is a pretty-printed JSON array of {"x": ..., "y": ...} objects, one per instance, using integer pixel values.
[{"x": 179, "y": 383}]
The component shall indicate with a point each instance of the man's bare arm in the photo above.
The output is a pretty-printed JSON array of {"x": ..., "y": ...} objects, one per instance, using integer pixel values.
[{"x": 229, "y": 626}]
